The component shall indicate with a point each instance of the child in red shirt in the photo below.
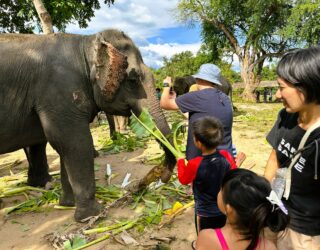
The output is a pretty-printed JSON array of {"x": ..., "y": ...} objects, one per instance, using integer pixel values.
[{"x": 205, "y": 172}]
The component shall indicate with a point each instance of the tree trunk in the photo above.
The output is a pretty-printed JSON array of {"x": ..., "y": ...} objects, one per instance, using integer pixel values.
[
  {"x": 44, "y": 16},
  {"x": 249, "y": 80}
]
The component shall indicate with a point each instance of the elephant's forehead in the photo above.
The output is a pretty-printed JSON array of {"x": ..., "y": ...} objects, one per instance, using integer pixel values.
[{"x": 133, "y": 60}]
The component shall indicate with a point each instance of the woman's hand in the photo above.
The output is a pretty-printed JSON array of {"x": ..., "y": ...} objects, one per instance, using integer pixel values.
[{"x": 168, "y": 80}]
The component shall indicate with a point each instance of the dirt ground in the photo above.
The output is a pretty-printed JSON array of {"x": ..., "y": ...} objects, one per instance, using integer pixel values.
[{"x": 27, "y": 231}]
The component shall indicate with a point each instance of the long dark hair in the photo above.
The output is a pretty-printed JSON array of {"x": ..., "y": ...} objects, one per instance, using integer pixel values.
[{"x": 246, "y": 192}]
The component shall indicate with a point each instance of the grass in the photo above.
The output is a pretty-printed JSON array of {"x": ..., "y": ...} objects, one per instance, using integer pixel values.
[{"x": 261, "y": 118}]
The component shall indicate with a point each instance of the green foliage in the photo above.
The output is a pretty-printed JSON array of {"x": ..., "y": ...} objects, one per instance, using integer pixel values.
[
  {"x": 179, "y": 135},
  {"x": 303, "y": 22},
  {"x": 21, "y": 16},
  {"x": 269, "y": 73},
  {"x": 122, "y": 142},
  {"x": 37, "y": 203},
  {"x": 180, "y": 64},
  {"x": 186, "y": 64},
  {"x": 77, "y": 241},
  {"x": 144, "y": 124}
]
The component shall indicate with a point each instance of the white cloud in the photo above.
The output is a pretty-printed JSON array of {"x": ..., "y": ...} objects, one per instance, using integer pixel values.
[
  {"x": 153, "y": 53},
  {"x": 140, "y": 19}
]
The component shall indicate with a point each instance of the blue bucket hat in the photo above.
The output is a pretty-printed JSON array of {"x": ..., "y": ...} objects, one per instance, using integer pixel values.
[{"x": 209, "y": 72}]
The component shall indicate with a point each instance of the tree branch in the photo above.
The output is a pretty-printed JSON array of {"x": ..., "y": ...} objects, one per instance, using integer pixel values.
[
  {"x": 268, "y": 55},
  {"x": 221, "y": 26}
]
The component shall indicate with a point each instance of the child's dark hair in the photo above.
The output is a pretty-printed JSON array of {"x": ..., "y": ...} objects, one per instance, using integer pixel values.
[
  {"x": 246, "y": 192},
  {"x": 208, "y": 130},
  {"x": 302, "y": 69}
]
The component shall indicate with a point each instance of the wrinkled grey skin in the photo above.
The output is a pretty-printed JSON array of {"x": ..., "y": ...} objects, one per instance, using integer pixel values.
[
  {"x": 182, "y": 85},
  {"x": 51, "y": 88}
]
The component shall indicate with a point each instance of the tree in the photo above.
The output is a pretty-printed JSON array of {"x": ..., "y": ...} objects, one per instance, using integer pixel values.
[
  {"x": 254, "y": 30},
  {"x": 186, "y": 64},
  {"x": 269, "y": 73},
  {"x": 21, "y": 15}
]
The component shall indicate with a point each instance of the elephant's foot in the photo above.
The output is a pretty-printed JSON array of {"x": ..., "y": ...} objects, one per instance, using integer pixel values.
[
  {"x": 90, "y": 210},
  {"x": 39, "y": 181},
  {"x": 166, "y": 175},
  {"x": 66, "y": 201}
]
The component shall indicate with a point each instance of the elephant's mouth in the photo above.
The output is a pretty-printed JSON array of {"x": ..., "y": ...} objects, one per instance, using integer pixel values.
[{"x": 136, "y": 108}]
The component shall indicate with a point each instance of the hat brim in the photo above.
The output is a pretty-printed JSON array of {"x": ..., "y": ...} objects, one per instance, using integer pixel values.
[{"x": 209, "y": 79}]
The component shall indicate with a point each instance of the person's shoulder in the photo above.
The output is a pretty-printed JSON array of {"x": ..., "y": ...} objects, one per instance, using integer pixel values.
[
  {"x": 288, "y": 118},
  {"x": 222, "y": 159},
  {"x": 197, "y": 159},
  {"x": 266, "y": 244},
  {"x": 207, "y": 240},
  {"x": 284, "y": 114},
  {"x": 188, "y": 95}
]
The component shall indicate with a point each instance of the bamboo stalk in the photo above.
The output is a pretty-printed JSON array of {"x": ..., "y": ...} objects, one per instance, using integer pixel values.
[
  {"x": 115, "y": 232},
  {"x": 104, "y": 229},
  {"x": 59, "y": 207},
  {"x": 14, "y": 191}
]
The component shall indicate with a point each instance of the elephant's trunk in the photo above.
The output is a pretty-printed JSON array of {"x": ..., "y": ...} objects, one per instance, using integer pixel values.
[{"x": 153, "y": 105}]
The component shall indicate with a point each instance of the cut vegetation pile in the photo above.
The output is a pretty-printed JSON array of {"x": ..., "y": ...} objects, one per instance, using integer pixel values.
[{"x": 156, "y": 205}]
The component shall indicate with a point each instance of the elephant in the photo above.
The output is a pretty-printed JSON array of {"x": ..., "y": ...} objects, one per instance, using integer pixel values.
[
  {"x": 51, "y": 88},
  {"x": 182, "y": 84}
]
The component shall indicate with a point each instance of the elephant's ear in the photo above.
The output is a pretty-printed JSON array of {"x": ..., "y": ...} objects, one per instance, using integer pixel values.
[{"x": 109, "y": 68}]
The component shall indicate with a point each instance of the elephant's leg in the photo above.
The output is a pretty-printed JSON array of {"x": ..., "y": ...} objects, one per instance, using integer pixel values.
[
  {"x": 38, "y": 172},
  {"x": 79, "y": 167},
  {"x": 112, "y": 126},
  {"x": 73, "y": 142},
  {"x": 67, "y": 197},
  {"x": 79, "y": 175}
]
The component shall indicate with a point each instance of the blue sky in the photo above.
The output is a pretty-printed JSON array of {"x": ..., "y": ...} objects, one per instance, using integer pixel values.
[{"x": 150, "y": 24}]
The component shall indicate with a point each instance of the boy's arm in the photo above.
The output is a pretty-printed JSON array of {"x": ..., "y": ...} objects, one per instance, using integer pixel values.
[{"x": 187, "y": 173}]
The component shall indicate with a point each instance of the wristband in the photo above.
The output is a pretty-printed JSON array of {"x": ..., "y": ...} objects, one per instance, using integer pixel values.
[{"x": 165, "y": 84}]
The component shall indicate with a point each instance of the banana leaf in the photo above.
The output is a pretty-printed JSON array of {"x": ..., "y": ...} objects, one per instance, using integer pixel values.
[
  {"x": 178, "y": 131},
  {"x": 145, "y": 125}
]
